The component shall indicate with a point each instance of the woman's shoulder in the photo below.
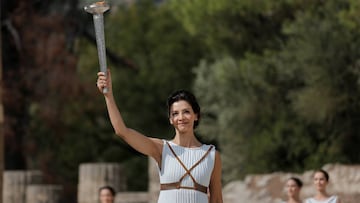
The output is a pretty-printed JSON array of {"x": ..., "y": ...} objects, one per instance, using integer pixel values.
[
  {"x": 334, "y": 199},
  {"x": 206, "y": 145},
  {"x": 157, "y": 141}
]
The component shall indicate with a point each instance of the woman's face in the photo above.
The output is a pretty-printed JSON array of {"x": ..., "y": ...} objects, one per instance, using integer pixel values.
[
  {"x": 320, "y": 181},
  {"x": 106, "y": 196},
  {"x": 292, "y": 188},
  {"x": 182, "y": 116}
]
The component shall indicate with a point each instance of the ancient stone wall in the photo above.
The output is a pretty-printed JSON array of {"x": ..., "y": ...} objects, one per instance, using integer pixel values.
[
  {"x": 21, "y": 186},
  {"x": 264, "y": 188},
  {"x": 269, "y": 188},
  {"x": 92, "y": 176}
]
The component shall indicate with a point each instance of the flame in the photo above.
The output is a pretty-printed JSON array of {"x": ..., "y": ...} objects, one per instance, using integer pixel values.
[{"x": 101, "y": 2}]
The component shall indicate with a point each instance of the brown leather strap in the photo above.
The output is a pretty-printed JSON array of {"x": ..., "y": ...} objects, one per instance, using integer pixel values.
[
  {"x": 177, "y": 185},
  {"x": 197, "y": 163}
]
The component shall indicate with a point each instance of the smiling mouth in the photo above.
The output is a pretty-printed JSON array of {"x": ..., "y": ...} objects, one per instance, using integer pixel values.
[{"x": 182, "y": 124}]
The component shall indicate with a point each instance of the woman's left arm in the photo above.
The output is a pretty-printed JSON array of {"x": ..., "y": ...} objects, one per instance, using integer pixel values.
[{"x": 215, "y": 181}]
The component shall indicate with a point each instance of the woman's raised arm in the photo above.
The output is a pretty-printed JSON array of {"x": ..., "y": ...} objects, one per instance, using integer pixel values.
[{"x": 143, "y": 144}]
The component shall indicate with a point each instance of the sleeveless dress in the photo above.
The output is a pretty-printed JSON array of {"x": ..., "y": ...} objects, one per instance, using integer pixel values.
[
  {"x": 172, "y": 171},
  {"x": 332, "y": 199}
]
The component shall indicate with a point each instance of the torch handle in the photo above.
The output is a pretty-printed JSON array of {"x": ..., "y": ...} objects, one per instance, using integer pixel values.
[{"x": 100, "y": 42}]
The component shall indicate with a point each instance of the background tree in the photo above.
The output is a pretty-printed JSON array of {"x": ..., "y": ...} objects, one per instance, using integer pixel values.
[
  {"x": 287, "y": 109},
  {"x": 2, "y": 150},
  {"x": 39, "y": 80}
]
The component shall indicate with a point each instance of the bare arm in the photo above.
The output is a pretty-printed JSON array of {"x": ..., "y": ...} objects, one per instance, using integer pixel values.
[
  {"x": 143, "y": 144},
  {"x": 215, "y": 181}
]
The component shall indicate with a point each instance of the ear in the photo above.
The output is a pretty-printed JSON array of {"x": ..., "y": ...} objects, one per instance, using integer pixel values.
[{"x": 171, "y": 122}]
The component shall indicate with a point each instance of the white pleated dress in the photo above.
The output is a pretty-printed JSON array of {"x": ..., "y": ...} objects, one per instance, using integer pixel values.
[
  {"x": 332, "y": 199},
  {"x": 171, "y": 171}
]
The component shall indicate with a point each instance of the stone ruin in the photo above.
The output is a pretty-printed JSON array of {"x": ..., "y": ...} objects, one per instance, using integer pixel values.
[
  {"x": 269, "y": 188},
  {"x": 27, "y": 187}
]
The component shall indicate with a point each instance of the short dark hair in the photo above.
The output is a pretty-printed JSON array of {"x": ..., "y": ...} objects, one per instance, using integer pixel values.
[
  {"x": 187, "y": 96},
  {"x": 107, "y": 187},
  {"x": 298, "y": 182},
  {"x": 326, "y": 174}
]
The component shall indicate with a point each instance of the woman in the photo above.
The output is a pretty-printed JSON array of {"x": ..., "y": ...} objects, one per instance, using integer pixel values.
[
  {"x": 190, "y": 171},
  {"x": 321, "y": 180},
  {"x": 106, "y": 194},
  {"x": 293, "y": 187}
]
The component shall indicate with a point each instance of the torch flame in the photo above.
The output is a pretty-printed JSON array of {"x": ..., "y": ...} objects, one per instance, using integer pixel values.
[{"x": 100, "y": 2}]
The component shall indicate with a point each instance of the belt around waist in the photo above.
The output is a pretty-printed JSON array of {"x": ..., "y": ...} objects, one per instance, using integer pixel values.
[{"x": 177, "y": 185}]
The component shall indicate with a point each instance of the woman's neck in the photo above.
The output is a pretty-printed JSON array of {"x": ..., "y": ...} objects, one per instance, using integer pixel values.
[
  {"x": 186, "y": 140},
  {"x": 294, "y": 200},
  {"x": 321, "y": 195}
]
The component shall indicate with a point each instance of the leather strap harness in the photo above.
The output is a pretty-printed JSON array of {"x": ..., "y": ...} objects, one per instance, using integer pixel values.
[{"x": 177, "y": 185}]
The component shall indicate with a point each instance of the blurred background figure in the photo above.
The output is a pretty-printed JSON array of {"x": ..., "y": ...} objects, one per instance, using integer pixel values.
[
  {"x": 293, "y": 188},
  {"x": 321, "y": 180},
  {"x": 107, "y": 194}
]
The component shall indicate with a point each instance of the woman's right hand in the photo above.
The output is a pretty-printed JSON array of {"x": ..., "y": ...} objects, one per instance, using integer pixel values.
[{"x": 104, "y": 81}]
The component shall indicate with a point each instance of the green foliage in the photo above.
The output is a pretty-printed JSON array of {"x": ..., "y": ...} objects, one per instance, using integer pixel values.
[
  {"x": 163, "y": 53},
  {"x": 235, "y": 27},
  {"x": 289, "y": 109},
  {"x": 327, "y": 64}
]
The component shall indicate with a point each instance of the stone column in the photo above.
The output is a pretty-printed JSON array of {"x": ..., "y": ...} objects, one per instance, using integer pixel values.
[
  {"x": 132, "y": 197},
  {"x": 15, "y": 183},
  {"x": 94, "y": 175},
  {"x": 43, "y": 193}
]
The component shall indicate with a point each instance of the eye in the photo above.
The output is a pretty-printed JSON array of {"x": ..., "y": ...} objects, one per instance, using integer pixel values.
[{"x": 173, "y": 114}]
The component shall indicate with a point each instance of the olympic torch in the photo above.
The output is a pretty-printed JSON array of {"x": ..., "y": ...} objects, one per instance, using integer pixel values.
[{"x": 97, "y": 9}]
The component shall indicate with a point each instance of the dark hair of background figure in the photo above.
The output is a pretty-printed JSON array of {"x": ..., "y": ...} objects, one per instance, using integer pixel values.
[
  {"x": 107, "y": 187},
  {"x": 298, "y": 182},
  {"x": 326, "y": 174}
]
